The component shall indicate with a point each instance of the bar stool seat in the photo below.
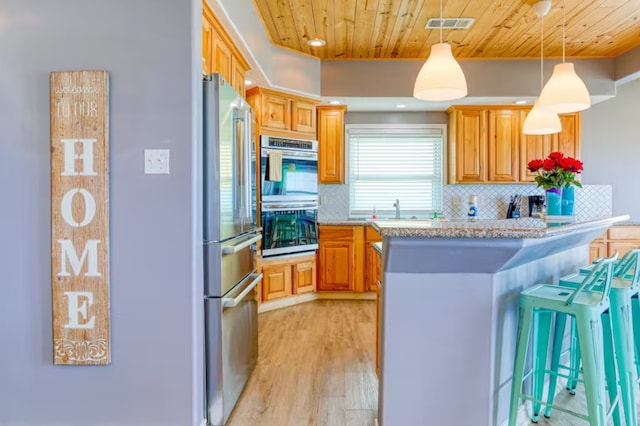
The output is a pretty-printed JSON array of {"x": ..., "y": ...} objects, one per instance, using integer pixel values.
[{"x": 537, "y": 306}]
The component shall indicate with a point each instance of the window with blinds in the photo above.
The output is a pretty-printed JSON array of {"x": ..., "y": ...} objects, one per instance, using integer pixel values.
[{"x": 389, "y": 163}]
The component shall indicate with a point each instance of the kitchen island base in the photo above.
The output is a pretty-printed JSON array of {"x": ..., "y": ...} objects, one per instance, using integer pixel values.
[{"x": 450, "y": 317}]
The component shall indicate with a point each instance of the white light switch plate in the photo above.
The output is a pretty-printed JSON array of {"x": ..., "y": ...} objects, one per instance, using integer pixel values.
[{"x": 156, "y": 161}]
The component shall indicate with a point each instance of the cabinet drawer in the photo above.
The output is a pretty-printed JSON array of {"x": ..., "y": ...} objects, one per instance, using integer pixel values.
[
  {"x": 337, "y": 233},
  {"x": 624, "y": 233},
  {"x": 371, "y": 234}
]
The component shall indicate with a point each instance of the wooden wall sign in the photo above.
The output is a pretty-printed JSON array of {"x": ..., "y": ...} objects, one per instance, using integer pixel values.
[{"x": 80, "y": 217}]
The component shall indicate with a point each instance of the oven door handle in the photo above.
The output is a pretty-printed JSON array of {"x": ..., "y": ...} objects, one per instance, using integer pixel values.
[
  {"x": 232, "y": 302},
  {"x": 235, "y": 249},
  {"x": 289, "y": 206},
  {"x": 292, "y": 155}
]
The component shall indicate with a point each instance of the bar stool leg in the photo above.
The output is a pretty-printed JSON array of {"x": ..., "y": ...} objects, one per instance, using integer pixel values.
[
  {"x": 522, "y": 342},
  {"x": 558, "y": 334},
  {"x": 574, "y": 359},
  {"x": 590, "y": 338},
  {"x": 624, "y": 347},
  {"x": 541, "y": 329},
  {"x": 635, "y": 315},
  {"x": 610, "y": 366}
]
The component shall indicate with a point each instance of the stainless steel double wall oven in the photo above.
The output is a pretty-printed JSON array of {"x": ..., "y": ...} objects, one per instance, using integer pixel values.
[{"x": 289, "y": 206}]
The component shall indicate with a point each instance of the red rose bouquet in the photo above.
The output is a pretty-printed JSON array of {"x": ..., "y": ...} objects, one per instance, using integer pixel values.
[{"x": 556, "y": 171}]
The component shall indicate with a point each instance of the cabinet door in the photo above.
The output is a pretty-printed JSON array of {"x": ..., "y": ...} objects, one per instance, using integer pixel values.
[
  {"x": 470, "y": 146},
  {"x": 378, "y": 324},
  {"x": 336, "y": 260},
  {"x": 276, "y": 281},
  {"x": 622, "y": 246},
  {"x": 275, "y": 112},
  {"x": 597, "y": 249},
  {"x": 207, "y": 35},
  {"x": 371, "y": 259},
  {"x": 532, "y": 147},
  {"x": 303, "y": 117},
  {"x": 504, "y": 134},
  {"x": 304, "y": 277},
  {"x": 237, "y": 76},
  {"x": 221, "y": 56},
  {"x": 331, "y": 145},
  {"x": 568, "y": 140}
]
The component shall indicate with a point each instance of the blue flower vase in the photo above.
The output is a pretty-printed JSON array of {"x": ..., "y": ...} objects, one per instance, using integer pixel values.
[
  {"x": 554, "y": 202},
  {"x": 568, "y": 198}
]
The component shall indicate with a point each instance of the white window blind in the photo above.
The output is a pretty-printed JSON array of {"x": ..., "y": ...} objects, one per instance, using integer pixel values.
[{"x": 389, "y": 163}]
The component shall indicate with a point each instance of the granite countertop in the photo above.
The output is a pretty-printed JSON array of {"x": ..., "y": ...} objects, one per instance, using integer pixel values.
[{"x": 499, "y": 228}]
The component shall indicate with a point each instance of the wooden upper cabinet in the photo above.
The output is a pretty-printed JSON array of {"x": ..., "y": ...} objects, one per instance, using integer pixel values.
[
  {"x": 503, "y": 145},
  {"x": 568, "y": 141},
  {"x": 468, "y": 146},
  {"x": 283, "y": 114},
  {"x": 207, "y": 63},
  {"x": 532, "y": 147},
  {"x": 303, "y": 117},
  {"x": 219, "y": 54},
  {"x": 331, "y": 144},
  {"x": 486, "y": 144},
  {"x": 275, "y": 112}
]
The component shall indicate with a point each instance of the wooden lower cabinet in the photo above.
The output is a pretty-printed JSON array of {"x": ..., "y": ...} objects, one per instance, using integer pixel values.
[
  {"x": 378, "y": 320},
  {"x": 341, "y": 258},
  {"x": 371, "y": 259},
  {"x": 288, "y": 276},
  {"x": 621, "y": 239},
  {"x": 618, "y": 239},
  {"x": 304, "y": 277}
]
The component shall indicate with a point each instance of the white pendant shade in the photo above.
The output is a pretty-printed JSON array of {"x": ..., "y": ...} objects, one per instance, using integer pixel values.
[
  {"x": 564, "y": 92},
  {"x": 440, "y": 78},
  {"x": 540, "y": 122}
]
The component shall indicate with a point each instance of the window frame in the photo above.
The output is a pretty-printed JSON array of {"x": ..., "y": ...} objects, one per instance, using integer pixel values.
[{"x": 393, "y": 128}]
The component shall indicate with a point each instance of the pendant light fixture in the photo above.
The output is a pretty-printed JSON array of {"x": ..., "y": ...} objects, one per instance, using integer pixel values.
[
  {"x": 565, "y": 91},
  {"x": 440, "y": 78},
  {"x": 538, "y": 121}
]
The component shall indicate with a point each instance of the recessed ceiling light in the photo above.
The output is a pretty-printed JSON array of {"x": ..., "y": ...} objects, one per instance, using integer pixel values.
[
  {"x": 248, "y": 82},
  {"x": 334, "y": 102},
  {"x": 316, "y": 42},
  {"x": 401, "y": 106},
  {"x": 521, "y": 102}
]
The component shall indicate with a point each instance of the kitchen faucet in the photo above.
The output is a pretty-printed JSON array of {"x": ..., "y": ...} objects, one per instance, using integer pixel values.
[{"x": 397, "y": 206}]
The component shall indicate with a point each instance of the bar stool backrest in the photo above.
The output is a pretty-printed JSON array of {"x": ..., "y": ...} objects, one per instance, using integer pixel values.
[
  {"x": 630, "y": 261},
  {"x": 600, "y": 275}
]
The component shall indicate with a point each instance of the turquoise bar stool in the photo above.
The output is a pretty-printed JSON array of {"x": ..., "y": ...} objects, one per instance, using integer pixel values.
[
  {"x": 537, "y": 306},
  {"x": 624, "y": 301}
]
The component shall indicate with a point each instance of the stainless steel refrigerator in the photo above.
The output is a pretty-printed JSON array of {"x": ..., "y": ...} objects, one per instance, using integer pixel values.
[{"x": 230, "y": 239}]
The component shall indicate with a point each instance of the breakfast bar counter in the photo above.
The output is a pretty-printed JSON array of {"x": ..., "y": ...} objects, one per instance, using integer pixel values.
[{"x": 450, "y": 310}]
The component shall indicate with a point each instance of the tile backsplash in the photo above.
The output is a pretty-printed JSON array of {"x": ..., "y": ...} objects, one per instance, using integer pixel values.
[{"x": 591, "y": 201}]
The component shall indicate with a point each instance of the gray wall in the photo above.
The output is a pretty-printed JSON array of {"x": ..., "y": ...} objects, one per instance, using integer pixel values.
[
  {"x": 611, "y": 147},
  {"x": 146, "y": 46}
]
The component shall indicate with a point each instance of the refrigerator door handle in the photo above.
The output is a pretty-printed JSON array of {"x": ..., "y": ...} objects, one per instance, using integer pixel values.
[
  {"x": 235, "y": 249},
  {"x": 247, "y": 213},
  {"x": 229, "y": 302}
]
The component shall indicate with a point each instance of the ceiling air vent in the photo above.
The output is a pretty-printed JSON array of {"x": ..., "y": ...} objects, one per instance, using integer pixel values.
[{"x": 450, "y": 23}]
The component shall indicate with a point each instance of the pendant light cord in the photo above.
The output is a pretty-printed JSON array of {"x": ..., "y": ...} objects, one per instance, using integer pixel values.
[
  {"x": 440, "y": 21},
  {"x": 541, "y": 53},
  {"x": 563, "y": 24}
]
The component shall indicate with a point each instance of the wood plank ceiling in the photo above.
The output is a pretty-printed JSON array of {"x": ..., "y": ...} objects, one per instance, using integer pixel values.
[{"x": 394, "y": 29}]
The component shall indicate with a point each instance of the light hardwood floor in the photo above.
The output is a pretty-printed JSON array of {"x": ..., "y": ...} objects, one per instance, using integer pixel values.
[{"x": 316, "y": 367}]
